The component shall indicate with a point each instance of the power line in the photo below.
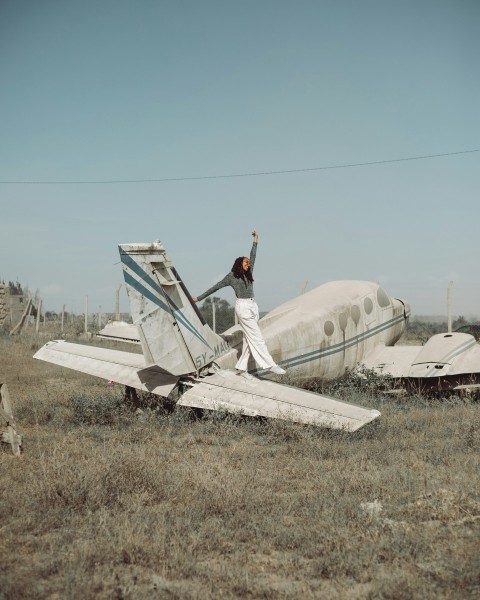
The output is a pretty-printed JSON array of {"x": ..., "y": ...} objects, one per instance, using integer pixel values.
[{"x": 232, "y": 175}]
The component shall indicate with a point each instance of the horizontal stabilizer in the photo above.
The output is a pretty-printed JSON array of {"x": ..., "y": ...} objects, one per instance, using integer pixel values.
[
  {"x": 126, "y": 368},
  {"x": 228, "y": 391},
  {"x": 118, "y": 330}
]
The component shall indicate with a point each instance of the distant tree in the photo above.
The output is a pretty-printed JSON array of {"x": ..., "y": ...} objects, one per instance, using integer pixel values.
[
  {"x": 15, "y": 288},
  {"x": 224, "y": 313},
  {"x": 459, "y": 322},
  {"x": 423, "y": 330}
]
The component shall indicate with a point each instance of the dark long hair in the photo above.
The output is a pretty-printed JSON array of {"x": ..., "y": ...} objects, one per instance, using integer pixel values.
[{"x": 239, "y": 271}]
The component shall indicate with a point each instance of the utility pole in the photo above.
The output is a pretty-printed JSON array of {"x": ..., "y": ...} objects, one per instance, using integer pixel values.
[
  {"x": 86, "y": 313},
  {"x": 63, "y": 316},
  {"x": 117, "y": 303},
  {"x": 449, "y": 306}
]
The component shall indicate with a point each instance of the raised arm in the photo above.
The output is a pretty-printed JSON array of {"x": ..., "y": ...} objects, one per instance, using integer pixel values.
[{"x": 253, "y": 251}]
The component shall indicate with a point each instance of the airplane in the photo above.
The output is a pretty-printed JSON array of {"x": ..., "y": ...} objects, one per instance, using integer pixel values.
[{"x": 317, "y": 335}]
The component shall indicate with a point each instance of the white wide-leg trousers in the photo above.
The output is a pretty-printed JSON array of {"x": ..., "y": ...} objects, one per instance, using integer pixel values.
[{"x": 253, "y": 342}]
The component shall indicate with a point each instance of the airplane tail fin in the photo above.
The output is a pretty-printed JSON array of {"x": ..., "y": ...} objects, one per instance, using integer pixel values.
[{"x": 172, "y": 331}]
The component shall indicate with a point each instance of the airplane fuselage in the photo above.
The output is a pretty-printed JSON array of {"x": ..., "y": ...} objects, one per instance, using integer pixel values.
[{"x": 332, "y": 328}]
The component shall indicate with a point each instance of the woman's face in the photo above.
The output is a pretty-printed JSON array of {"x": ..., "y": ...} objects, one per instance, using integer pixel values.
[{"x": 246, "y": 264}]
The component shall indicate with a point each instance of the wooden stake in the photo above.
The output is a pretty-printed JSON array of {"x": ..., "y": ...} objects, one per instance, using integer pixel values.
[{"x": 10, "y": 436}]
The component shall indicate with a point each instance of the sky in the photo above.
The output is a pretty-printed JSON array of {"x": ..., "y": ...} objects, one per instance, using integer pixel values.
[{"x": 99, "y": 98}]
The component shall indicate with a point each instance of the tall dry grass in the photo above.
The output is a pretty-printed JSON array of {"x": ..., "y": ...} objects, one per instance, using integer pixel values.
[{"x": 106, "y": 503}]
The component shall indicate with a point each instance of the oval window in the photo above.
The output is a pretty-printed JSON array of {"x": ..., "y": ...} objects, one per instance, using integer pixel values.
[
  {"x": 329, "y": 328},
  {"x": 382, "y": 298},
  {"x": 368, "y": 305},
  {"x": 355, "y": 312},
  {"x": 343, "y": 320}
]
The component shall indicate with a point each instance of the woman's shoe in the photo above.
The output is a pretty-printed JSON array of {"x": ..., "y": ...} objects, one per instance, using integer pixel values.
[
  {"x": 277, "y": 370},
  {"x": 246, "y": 375}
]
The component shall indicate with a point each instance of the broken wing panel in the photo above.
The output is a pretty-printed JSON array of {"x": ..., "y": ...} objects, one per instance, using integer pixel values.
[
  {"x": 227, "y": 391},
  {"x": 126, "y": 368},
  {"x": 444, "y": 354},
  {"x": 392, "y": 360},
  {"x": 447, "y": 354}
]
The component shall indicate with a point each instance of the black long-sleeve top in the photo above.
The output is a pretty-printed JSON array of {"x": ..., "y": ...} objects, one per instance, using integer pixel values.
[{"x": 241, "y": 286}]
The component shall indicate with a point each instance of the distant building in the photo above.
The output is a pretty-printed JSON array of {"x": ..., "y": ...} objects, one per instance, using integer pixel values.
[{"x": 12, "y": 306}]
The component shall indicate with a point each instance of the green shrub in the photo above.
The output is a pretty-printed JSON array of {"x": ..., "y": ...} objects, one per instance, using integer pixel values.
[{"x": 104, "y": 410}]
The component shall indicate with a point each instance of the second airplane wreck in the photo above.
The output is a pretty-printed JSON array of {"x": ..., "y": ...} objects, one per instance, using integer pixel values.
[{"x": 317, "y": 335}]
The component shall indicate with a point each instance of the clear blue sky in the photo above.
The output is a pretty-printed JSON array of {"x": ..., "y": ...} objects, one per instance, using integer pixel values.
[{"x": 122, "y": 90}]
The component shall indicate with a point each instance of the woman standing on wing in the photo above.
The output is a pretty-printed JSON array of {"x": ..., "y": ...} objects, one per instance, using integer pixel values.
[{"x": 241, "y": 280}]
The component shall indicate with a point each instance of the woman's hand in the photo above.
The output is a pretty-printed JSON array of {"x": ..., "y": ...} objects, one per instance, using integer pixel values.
[
  {"x": 195, "y": 299},
  {"x": 255, "y": 235}
]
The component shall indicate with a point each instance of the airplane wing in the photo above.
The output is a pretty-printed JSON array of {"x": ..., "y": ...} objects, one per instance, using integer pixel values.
[
  {"x": 124, "y": 332},
  {"x": 126, "y": 368},
  {"x": 454, "y": 355},
  {"x": 392, "y": 360},
  {"x": 228, "y": 391},
  {"x": 225, "y": 390}
]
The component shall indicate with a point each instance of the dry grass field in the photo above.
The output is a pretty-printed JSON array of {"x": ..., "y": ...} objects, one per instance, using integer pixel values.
[{"x": 106, "y": 503}]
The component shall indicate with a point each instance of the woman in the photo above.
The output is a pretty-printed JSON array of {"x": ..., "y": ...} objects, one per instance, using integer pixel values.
[{"x": 241, "y": 280}]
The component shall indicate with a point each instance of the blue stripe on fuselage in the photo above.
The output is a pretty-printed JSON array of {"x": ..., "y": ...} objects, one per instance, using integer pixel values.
[{"x": 322, "y": 352}]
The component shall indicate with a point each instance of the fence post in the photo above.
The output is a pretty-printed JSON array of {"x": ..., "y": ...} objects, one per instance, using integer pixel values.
[{"x": 39, "y": 310}]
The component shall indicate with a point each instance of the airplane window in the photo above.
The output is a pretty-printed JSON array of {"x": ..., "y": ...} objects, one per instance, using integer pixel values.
[
  {"x": 382, "y": 298},
  {"x": 368, "y": 305},
  {"x": 342, "y": 320},
  {"x": 329, "y": 328},
  {"x": 355, "y": 312}
]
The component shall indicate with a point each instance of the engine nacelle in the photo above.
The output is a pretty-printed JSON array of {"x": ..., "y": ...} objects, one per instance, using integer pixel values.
[{"x": 441, "y": 354}]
